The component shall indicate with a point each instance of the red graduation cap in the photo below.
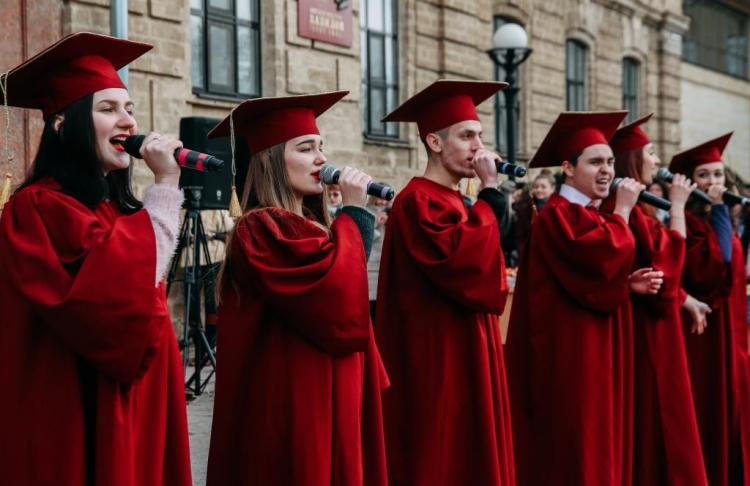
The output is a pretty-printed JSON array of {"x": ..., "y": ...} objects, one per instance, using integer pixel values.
[
  {"x": 444, "y": 103},
  {"x": 686, "y": 161},
  {"x": 77, "y": 65},
  {"x": 630, "y": 137},
  {"x": 265, "y": 122},
  {"x": 574, "y": 131}
]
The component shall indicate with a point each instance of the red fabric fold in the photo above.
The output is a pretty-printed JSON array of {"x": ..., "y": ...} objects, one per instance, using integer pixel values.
[
  {"x": 299, "y": 380},
  {"x": 569, "y": 350},
  {"x": 718, "y": 358},
  {"x": 87, "y": 350},
  {"x": 441, "y": 286}
]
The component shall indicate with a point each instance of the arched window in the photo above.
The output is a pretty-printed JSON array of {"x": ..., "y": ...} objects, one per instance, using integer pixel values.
[
  {"x": 576, "y": 76},
  {"x": 630, "y": 82}
]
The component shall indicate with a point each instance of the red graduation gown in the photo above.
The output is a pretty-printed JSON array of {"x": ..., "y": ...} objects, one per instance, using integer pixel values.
[
  {"x": 89, "y": 366},
  {"x": 569, "y": 350},
  {"x": 667, "y": 448},
  {"x": 718, "y": 358},
  {"x": 299, "y": 378},
  {"x": 441, "y": 286}
]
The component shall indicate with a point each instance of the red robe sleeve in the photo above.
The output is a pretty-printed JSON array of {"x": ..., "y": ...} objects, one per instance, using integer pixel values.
[
  {"x": 91, "y": 282},
  {"x": 706, "y": 276},
  {"x": 662, "y": 249},
  {"x": 588, "y": 253},
  {"x": 307, "y": 276},
  {"x": 455, "y": 251}
]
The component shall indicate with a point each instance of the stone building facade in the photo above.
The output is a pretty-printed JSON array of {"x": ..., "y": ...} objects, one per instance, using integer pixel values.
[{"x": 434, "y": 38}]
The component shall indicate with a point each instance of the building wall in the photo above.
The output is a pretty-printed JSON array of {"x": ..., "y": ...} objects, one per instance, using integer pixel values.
[
  {"x": 28, "y": 27},
  {"x": 438, "y": 39}
]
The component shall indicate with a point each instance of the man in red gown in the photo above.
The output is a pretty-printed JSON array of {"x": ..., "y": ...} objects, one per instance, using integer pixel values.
[
  {"x": 441, "y": 288},
  {"x": 569, "y": 347}
]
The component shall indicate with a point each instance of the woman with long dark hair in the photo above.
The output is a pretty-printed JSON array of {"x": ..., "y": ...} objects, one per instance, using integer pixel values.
[
  {"x": 667, "y": 449},
  {"x": 298, "y": 390},
  {"x": 90, "y": 366},
  {"x": 718, "y": 359}
]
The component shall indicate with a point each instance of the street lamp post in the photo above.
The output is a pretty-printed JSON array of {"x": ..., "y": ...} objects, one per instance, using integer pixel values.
[{"x": 509, "y": 50}]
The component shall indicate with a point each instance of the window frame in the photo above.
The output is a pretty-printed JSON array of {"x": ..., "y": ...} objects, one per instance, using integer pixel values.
[
  {"x": 581, "y": 66},
  {"x": 211, "y": 15},
  {"x": 698, "y": 50},
  {"x": 389, "y": 130},
  {"x": 631, "y": 78}
]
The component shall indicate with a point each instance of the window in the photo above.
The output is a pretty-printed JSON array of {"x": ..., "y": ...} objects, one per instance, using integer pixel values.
[
  {"x": 575, "y": 76},
  {"x": 501, "y": 112},
  {"x": 718, "y": 37},
  {"x": 225, "y": 47},
  {"x": 379, "y": 40},
  {"x": 630, "y": 79}
]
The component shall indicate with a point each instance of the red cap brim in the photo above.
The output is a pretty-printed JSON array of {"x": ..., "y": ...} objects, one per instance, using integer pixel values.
[
  {"x": 76, "y": 66},
  {"x": 265, "y": 122},
  {"x": 572, "y": 132},
  {"x": 686, "y": 161},
  {"x": 630, "y": 137},
  {"x": 444, "y": 103}
]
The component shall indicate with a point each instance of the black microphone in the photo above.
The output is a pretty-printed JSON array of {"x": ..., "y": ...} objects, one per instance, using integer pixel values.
[
  {"x": 666, "y": 175},
  {"x": 330, "y": 175},
  {"x": 731, "y": 199},
  {"x": 509, "y": 169},
  {"x": 188, "y": 159},
  {"x": 647, "y": 197}
]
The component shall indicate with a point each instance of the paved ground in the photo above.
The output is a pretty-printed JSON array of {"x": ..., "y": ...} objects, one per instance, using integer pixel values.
[{"x": 200, "y": 412}]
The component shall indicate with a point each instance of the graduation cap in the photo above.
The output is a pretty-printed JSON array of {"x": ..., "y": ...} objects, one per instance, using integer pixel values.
[
  {"x": 444, "y": 103},
  {"x": 630, "y": 137},
  {"x": 686, "y": 161},
  {"x": 77, "y": 65},
  {"x": 572, "y": 132},
  {"x": 265, "y": 122}
]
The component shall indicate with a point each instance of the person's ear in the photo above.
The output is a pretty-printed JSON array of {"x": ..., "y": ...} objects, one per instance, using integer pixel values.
[
  {"x": 434, "y": 141},
  {"x": 59, "y": 119},
  {"x": 568, "y": 169}
]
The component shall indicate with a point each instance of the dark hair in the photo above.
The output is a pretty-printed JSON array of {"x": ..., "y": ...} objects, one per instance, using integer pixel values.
[{"x": 69, "y": 157}]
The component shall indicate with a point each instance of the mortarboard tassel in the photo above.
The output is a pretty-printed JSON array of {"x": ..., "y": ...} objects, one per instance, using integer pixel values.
[
  {"x": 5, "y": 191},
  {"x": 235, "y": 210}
]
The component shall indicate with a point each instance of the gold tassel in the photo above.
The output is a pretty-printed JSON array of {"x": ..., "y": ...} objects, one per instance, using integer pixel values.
[
  {"x": 235, "y": 210},
  {"x": 470, "y": 189},
  {"x": 5, "y": 191}
]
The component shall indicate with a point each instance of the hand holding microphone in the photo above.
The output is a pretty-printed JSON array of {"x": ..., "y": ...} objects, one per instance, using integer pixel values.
[
  {"x": 666, "y": 175},
  {"x": 157, "y": 151},
  {"x": 331, "y": 175},
  {"x": 633, "y": 191},
  {"x": 155, "y": 145},
  {"x": 353, "y": 183}
]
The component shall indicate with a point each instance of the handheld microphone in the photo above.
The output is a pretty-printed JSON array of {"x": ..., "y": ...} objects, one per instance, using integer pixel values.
[
  {"x": 188, "y": 159},
  {"x": 647, "y": 197},
  {"x": 509, "y": 169},
  {"x": 330, "y": 175},
  {"x": 666, "y": 175},
  {"x": 731, "y": 199}
]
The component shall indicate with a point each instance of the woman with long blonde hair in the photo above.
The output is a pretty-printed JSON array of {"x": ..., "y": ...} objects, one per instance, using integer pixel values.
[{"x": 298, "y": 387}]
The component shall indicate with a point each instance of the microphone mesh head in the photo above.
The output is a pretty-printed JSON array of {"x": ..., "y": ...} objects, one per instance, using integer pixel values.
[
  {"x": 664, "y": 174},
  {"x": 132, "y": 145},
  {"x": 329, "y": 174}
]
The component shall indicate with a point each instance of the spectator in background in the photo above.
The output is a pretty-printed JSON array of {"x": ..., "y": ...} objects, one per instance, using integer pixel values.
[
  {"x": 658, "y": 188},
  {"x": 334, "y": 199}
]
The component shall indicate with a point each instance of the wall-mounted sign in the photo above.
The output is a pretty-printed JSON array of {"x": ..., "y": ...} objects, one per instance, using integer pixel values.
[{"x": 326, "y": 21}]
